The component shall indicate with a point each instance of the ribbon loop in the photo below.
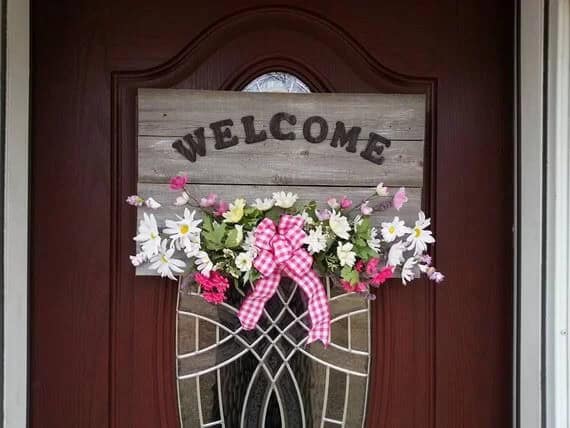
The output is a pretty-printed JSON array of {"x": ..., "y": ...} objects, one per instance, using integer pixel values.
[{"x": 281, "y": 252}]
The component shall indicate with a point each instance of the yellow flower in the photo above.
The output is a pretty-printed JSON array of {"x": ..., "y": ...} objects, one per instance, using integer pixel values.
[{"x": 235, "y": 212}]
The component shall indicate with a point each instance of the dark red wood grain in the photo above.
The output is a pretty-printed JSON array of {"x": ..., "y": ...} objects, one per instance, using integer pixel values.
[{"x": 102, "y": 341}]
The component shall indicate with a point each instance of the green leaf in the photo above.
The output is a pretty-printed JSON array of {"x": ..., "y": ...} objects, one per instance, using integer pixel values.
[
  {"x": 234, "y": 238},
  {"x": 274, "y": 213},
  {"x": 350, "y": 275},
  {"x": 214, "y": 238},
  {"x": 207, "y": 223}
]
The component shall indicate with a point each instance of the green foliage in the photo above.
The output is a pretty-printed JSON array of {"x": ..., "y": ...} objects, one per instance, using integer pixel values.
[
  {"x": 234, "y": 238},
  {"x": 214, "y": 238},
  {"x": 350, "y": 275},
  {"x": 360, "y": 238},
  {"x": 274, "y": 213}
]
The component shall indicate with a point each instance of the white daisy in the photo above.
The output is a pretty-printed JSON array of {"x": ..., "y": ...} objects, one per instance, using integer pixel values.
[
  {"x": 373, "y": 242},
  {"x": 203, "y": 263},
  {"x": 165, "y": 264},
  {"x": 148, "y": 236},
  {"x": 394, "y": 229},
  {"x": 244, "y": 261},
  {"x": 419, "y": 237},
  {"x": 263, "y": 205},
  {"x": 346, "y": 256},
  {"x": 248, "y": 244},
  {"x": 285, "y": 200},
  {"x": 408, "y": 270},
  {"x": 182, "y": 231},
  {"x": 339, "y": 225},
  {"x": 396, "y": 254},
  {"x": 316, "y": 240},
  {"x": 191, "y": 249}
]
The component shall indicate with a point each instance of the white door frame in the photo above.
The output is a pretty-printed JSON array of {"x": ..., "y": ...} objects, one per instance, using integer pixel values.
[
  {"x": 15, "y": 249},
  {"x": 541, "y": 215}
]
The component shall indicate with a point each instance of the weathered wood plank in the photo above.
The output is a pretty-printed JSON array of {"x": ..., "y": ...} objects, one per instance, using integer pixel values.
[
  {"x": 173, "y": 112},
  {"x": 315, "y": 171},
  {"x": 276, "y": 162},
  {"x": 166, "y": 197}
]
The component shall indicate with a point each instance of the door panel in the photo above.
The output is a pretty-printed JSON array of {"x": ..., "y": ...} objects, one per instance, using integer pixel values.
[{"x": 102, "y": 346}]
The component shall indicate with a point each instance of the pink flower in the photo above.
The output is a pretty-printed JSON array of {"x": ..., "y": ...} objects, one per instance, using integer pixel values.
[
  {"x": 222, "y": 208},
  {"x": 323, "y": 215},
  {"x": 365, "y": 209},
  {"x": 208, "y": 201},
  {"x": 359, "y": 287},
  {"x": 345, "y": 203},
  {"x": 382, "y": 276},
  {"x": 400, "y": 198},
  {"x": 359, "y": 266},
  {"x": 214, "y": 298},
  {"x": 372, "y": 266},
  {"x": 333, "y": 203},
  {"x": 178, "y": 182},
  {"x": 213, "y": 287},
  {"x": 135, "y": 201},
  {"x": 437, "y": 277},
  {"x": 426, "y": 258}
]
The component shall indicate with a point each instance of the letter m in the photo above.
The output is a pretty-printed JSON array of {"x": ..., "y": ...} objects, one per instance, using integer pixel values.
[{"x": 341, "y": 136}]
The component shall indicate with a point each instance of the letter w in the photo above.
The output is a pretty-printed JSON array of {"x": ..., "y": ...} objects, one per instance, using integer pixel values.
[{"x": 188, "y": 146}]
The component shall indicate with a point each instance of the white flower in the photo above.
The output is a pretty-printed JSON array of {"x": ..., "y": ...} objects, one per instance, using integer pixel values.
[
  {"x": 419, "y": 237},
  {"x": 164, "y": 264},
  {"x": 244, "y": 261},
  {"x": 394, "y": 229},
  {"x": 148, "y": 236},
  {"x": 182, "y": 232},
  {"x": 339, "y": 225},
  {"x": 182, "y": 199},
  {"x": 263, "y": 205},
  {"x": 408, "y": 270},
  {"x": 203, "y": 263},
  {"x": 192, "y": 249},
  {"x": 151, "y": 203},
  {"x": 285, "y": 200},
  {"x": 381, "y": 190},
  {"x": 373, "y": 242},
  {"x": 248, "y": 244},
  {"x": 396, "y": 254},
  {"x": 356, "y": 221},
  {"x": 316, "y": 240},
  {"x": 346, "y": 256},
  {"x": 307, "y": 218},
  {"x": 138, "y": 259}
]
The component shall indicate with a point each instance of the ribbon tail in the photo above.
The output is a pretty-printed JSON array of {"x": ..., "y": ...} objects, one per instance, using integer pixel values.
[
  {"x": 252, "y": 307},
  {"x": 318, "y": 306}
]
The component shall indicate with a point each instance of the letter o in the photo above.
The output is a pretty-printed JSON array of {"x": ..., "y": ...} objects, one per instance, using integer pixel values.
[{"x": 324, "y": 129}]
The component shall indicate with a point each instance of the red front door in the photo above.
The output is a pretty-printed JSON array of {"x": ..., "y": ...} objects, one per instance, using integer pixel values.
[{"x": 103, "y": 340}]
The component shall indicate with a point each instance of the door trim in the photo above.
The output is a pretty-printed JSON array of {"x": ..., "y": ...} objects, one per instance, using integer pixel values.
[
  {"x": 15, "y": 251},
  {"x": 542, "y": 180}
]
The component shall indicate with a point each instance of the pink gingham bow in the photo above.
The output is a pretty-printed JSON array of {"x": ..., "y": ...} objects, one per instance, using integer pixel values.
[{"x": 281, "y": 253}]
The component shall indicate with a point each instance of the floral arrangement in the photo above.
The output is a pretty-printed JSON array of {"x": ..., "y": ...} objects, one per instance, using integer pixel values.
[{"x": 255, "y": 244}]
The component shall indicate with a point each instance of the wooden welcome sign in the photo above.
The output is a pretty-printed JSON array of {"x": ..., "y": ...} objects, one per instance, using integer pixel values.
[{"x": 253, "y": 144}]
